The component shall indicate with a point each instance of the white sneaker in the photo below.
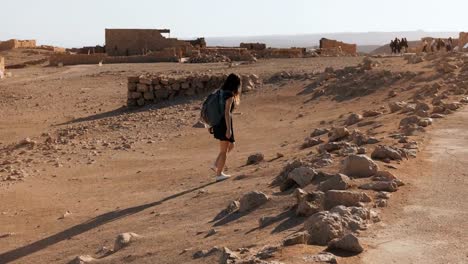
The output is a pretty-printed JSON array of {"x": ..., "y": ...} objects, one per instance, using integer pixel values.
[
  {"x": 223, "y": 174},
  {"x": 222, "y": 177}
]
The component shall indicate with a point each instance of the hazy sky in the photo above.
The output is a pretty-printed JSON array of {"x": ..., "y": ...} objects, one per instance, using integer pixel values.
[{"x": 78, "y": 23}]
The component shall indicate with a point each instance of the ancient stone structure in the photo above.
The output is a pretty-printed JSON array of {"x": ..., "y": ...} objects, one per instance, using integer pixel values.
[
  {"x": 128, "y": 42},
  {"x": 17, "y": 44},
  {"x": 2, "y": 67},
  {"x": 234, "y": 54},
  {"x": 88, "y": 50},
  {"x": 280, "y": 53},
  {"x": 150, "y": 89},
  {"x": 167, "y": 55},
  {"x": 253, "y": 46},
  {"x": 329, "y": 47},
  {"x": 463, "y": 40},
  {"x": 197, "y": 43}
]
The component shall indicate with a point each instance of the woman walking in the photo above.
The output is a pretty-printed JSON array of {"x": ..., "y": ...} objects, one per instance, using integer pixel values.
[{"x": 224, "y": 130}]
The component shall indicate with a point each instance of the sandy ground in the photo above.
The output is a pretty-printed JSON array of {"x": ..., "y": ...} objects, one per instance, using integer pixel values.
[{"x": 162, "y": 188}]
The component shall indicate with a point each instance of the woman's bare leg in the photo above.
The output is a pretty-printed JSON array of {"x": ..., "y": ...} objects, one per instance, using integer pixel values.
[{"x": 221, "y": 160}]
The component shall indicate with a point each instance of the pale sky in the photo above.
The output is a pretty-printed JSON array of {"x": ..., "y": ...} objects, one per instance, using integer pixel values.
[{"x": 78, "y": 23}]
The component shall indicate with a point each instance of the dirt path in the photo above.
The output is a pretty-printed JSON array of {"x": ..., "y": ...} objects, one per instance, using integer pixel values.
[{"x": 432, "y": 226}]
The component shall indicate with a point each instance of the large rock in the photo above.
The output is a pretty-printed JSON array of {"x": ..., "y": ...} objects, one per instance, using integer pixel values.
[
  {"x": 346, "y": 198},
  {"x": 353, "y": 119},
  {"x": 252, "y": 200},
  {"x": 319, "y": 132},
  {"x": 327, "y": 225},
  {"x": 409, "y": 120},
  {"x": 310, "y": 142},
  {"x": 338, "y": 133},
  {"x": 387, "y": 176},
  {"x": 282, "y": 179},
  {"x": 296, "y": 238},
  {"x": 371, "y": 113},
  {"x": 387, "y": 186},
  {"x": 255, "y": 158},
  {"x": 348, "y": 243},
  {"x": 336, "y": 182},
  {"x": 359, "y": 166},
  {"x": 228, "y": 256},
  {"x": 383, "y": 152},
  {"x": 124, "y": 239},
  {"x": 309, "y": 203},
  {"x": 396, "y": 106},
  {"x": 302, "y": 176}
]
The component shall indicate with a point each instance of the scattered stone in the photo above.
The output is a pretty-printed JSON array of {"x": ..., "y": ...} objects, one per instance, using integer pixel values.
[
  {"x": 267, "y": 252},
  {"x": 383, "y": 152},
  {"x": 124, "y": 240},
  {"x": 309, "y": 203},
  {"x": 255, "y": 158},
  {"x": 211, "y": 232},
  {"x": 353, "y": 119},
  {"x": 319, "y": 132},
  {"x": 387, "y": 176},
  {"x": 346, "y": 198},
  {"x": 338, "y": 134},
  {"x": 66, "y": 214},
  {"x": 82, "y": 260},
  {"x": 348, "y": 243},
  {"x": 322, "y": 257},
  {"x": 228, "y": 256},
  {"x": 396, "y": 106},
  {"x": 302, "y": 176},
  {"x": 371, "y": 113},
  {"x": 310, "y": 142},
  {"x": 381, "y": 203},
  {"x": 327, "y": 225},
  {"x": 359, "y": 166},
  {"x": 297, "y": 238},
  {"x": 336, "y": 182},
  {"x": 252, "y": 200},
  {"x": 387, "y": 186}
]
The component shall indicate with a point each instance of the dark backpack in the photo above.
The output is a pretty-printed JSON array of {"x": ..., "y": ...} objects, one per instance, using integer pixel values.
[{"x": 212, "y": 110}]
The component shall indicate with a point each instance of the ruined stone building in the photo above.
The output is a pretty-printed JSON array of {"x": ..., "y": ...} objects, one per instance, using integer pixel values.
[
  {"x": 128, "y": 42},
  {"x": 253, "y": 46},
  {"x": 330, "y": 47},
  {"x": 17, "y": 44}
]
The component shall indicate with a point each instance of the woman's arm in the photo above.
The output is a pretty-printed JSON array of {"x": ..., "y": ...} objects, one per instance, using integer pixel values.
[{"x": 227, "y": 116}]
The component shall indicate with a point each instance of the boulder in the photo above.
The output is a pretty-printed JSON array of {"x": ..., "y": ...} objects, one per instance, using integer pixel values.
[
  {"x": 348, "y": 242},
  {"x": 282, "y": 179},
  {"x": 387, "y": 176},
  {"x": 383, "y": 152},
  {"x": 124, "y": 239},
  {"x": 310, "y": 203},
  {"x": 338, "y": 134},
  {"x": 425, "y": 122},
  {"x": 255, "y": 158},
  {"x": 296, "y": 238},
  {"x": 396, "y": 106},
  {"x": 371, "y": 113},
  {"x": 409, "y": 120},
  {"x": 322, "y": 257},
  {"x": 336, "y": 182},
  {"x": 346, "y": 198},
  {"x": 387, "y": 186},
  {"x": 319, "y": 132},
  {"x": 252, "y": 200},
  {"x": 353, "y": 119},
  {"x": 327, "y": 225},
  {"x": 302, "y": 176},
  {"x": 310, "y": 142},
  {"x": 228, "y": 256},
  {"x": 359, "y": 166},
  {"x": 423, "y": 107}
]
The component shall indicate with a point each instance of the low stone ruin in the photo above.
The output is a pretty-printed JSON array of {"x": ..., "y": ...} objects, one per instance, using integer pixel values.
[{"x": 153, "y": 88}]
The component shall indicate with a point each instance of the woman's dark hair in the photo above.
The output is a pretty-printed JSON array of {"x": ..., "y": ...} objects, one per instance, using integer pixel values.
[{"x": 232, "y": 83}]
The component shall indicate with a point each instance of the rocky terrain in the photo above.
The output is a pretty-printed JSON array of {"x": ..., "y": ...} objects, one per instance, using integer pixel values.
[{"x": 326, "y": 156}]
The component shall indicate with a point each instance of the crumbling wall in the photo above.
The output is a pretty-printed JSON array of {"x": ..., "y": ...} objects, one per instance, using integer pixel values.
[
  {"x": 167, "y": 55},
  {"x": 281, "y": 53},
  {"x": 17, "y": 44},
  {"x": 234, "y": 54},
  {"x": 197, "y": 43},
  {"x": 150, "y": 89},
  {"x": 330, "y": 47},
  {"x": 129, "y": 42},
  {"x": 253, "y": 46},
  {"x": 462, "y": 39}
]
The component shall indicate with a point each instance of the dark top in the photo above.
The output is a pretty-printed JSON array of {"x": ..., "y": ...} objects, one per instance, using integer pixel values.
[{"x": 219, "y": 130}]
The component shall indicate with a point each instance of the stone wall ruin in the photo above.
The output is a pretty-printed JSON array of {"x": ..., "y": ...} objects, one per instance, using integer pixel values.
[
  {"x": 463, "y": 40},
  {"x": 153, "y": 88},
  {"x": 17, "y": 44},
  {"x": 130, "y": 42},
  {"x": 2, "y": 67},
  {"x": 253, "y": 46},
  {"x": 330, "y": 47}
]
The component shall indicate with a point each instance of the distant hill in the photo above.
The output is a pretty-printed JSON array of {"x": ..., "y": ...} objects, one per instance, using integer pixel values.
[{"x": 363, "y": 39}]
